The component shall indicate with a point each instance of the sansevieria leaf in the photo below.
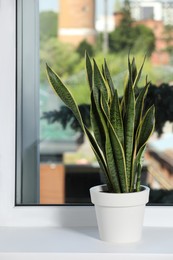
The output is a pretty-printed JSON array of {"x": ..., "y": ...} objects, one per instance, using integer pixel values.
[
  {"x": 140, "y": 105},
  {"x": 119, "y": 132},
  {"x": 108, "y": 78},
  {"x": 133, "y": 70},
  {"x": 99, "y": 86},
  {"x": 116, "y": 117},
  {"x": 100, "y": 83},
  {"x": 101, "y": 160},
  {"x": 68, "y": 99},
  {"x": 138, "y": 76},
  {"x": 113, "y": 171},
  {"x": 118, "y": 153},
  {"x": 89, "y": 70},
  {"x": 97, "y": 125},
  {"x": 107, "y": 149},
  {"x": 138, "y": 166},
  {"x": 129, "y": 132},
  {"x": 63, "y": 92},
  {"x": 146, "y": 127}
]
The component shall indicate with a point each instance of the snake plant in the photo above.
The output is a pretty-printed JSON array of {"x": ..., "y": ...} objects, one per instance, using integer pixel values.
[{"x": 119, "y": 129}]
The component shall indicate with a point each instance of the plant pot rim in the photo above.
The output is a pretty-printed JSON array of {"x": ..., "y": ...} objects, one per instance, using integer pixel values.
[{"x": 100, "y": 197}]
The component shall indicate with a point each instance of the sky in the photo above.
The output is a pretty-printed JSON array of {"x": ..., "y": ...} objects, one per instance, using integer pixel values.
[{"x": 53, "y": 5}]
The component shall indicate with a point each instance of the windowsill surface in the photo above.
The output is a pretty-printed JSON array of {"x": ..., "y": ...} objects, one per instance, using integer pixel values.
[{"x": 81, "y": 243}]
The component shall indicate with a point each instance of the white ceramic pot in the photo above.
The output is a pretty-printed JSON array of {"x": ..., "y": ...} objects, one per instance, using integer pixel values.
[{"x": 119, "y": 215}]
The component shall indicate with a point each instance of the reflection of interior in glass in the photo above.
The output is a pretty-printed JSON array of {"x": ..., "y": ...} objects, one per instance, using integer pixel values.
[{"x": 67, "y": 165}]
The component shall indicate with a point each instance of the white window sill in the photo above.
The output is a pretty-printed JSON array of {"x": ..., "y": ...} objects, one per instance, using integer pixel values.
[{"x": 81, "y": 243}]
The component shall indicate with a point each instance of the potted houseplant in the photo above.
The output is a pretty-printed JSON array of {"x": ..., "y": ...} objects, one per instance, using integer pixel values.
[{"x": 118, "y": 136}]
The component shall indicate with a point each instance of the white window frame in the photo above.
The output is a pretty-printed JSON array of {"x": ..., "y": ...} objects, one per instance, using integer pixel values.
[{"x": 11, "y": 215}]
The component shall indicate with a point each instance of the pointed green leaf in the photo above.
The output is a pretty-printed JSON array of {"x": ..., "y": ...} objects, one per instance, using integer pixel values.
[
  {"x": 138, "y": 168},
  {"x": 112, "y": 171},
  {"x": 103, "y": 72},
  {"x": 126, "y": 93},
  {"x": 115, "y": 149},
  {"x": 100, "y": 160},
  {"x": 62, "y": 91},
  {"x": 133, "y": 170},
  {"x": 119, "y": 159},
  {"x": 68, "y": 99},
  {"x": 146, "y": 128},
  {"x": 129, "y": 132},
  {"x": 140, "y": 105},
  {"x": 133, "y": 70},
  {"x": 100, "y": 84},
  {"x": 134, "y": 74},
  {"x": 89, "y": 70},
  {"x": 96, "y": 124},
  {"x": 116, "y": 118},
  {"x": 130, "y": 79},
  {"x": 138, "y": 76},
  {"x": 108, "y": 78},
  {"x": 104, "y": 140},
  {"x": 128, "y": 87}
]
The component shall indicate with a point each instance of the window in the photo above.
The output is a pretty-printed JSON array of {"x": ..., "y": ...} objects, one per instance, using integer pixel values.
[
  {"x": 147, "y": 13},
  {"x": 54, "y": 162},
  {"x": 11, "y": 215}
]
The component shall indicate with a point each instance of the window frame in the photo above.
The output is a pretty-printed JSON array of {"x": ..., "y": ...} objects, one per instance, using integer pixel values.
[
  {"x": 11, "y": 215},
  {"x": 27, "y": 52}
]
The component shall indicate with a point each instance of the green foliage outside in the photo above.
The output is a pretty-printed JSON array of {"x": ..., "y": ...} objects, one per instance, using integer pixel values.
[
  {"x": 68, "y": 62},
  {"x": 48, "y": 25},
  {"x": 128, "y": 36},
  {"x": 61, "y": 55},
  {"x": 83, "y": 47},
  {"x": 123, "y": 39},
  {"x": 118, "y": 67}
]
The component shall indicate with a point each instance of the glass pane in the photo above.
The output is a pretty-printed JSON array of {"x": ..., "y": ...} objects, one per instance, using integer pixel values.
[{"x": 105, "y": 28}]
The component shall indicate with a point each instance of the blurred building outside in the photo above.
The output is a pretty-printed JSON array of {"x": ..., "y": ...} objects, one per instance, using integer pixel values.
[
  {"x": 77, "y": 21},
  {"x": 157, "y": 16}
]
